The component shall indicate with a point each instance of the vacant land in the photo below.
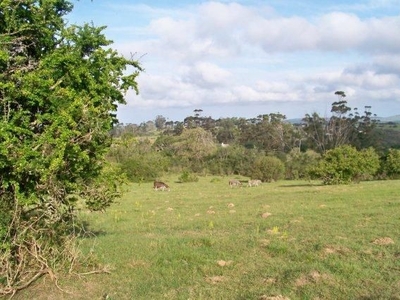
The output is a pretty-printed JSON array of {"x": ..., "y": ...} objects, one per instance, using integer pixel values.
[{"x": 205, "y": 240}]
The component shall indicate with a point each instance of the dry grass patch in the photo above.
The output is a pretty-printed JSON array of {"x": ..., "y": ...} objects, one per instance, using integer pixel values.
[
  {"x": 279, "y": 297},
  {"x": 215, "y": 279},
  {"x": 266, "y": 215},
  {"x": 139, "y": 263},
  {"x": 264, "y": 242},
  {"x": 383, "y": 241},
  {"x": 336, "y": 250},
  {"x": 269, "y": 281},
  {"x": 311, "y": 278},
  {"x": 223, "y": 263}
]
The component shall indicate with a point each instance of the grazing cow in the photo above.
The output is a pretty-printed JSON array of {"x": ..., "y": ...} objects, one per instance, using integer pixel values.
[
  {"x": 234, "y": 182},
  {"x": 159, "y": 185},
  {"x": 254, "y": 182}
]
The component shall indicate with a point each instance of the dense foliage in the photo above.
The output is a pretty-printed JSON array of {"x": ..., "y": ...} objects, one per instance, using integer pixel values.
[
  {"x": 345, "y": 164},
  {"x": 232, "y": 145},
  {"x": 267, "y": 169},
  {"x": 391, "y": 164},
  {"x": 298, "y": 164},
  {"x": 59, "y": 90}
]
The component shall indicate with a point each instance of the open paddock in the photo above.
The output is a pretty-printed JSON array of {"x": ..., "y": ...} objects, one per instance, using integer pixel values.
[{"x": 205, "y": 240}]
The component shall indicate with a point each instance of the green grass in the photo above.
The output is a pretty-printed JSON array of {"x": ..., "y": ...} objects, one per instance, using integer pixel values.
[{"x": 204, "y": 240}]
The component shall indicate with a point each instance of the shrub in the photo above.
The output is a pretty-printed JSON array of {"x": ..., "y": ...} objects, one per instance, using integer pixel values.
[
  {"x": 267, "y": 169},
  {"x": 188, "y": 177},
  {"x": 231, "y": 160},
  {"x": 145, "y": 167},
  {"x": 299, "y": 163},
  {"x": 391, "y": 165},
  {"x": 345, "y": 164}
]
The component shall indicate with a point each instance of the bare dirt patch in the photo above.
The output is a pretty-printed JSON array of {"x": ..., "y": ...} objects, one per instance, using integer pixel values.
[
  {"x": 223, "y": 263},
  {"x": 81, "y": 288},
  {"x": 311, "y": 278},
  {"x": 336, "y": 250},
  {"x": 266, "y": 215},
  {"x": 264, "y": 242},
  {"x": 269, "y": 280},
  {"x": 279, "y": 297},
  {"x": 138, "y": 264},
  {"x": 383, "y": 241},
  {"x": 215, "y": 279}
]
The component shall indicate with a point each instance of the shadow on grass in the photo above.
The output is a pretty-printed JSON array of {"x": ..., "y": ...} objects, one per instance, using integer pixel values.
[
  {"x": 301, "y": 185},
  {"x": 85, "y": 232}
]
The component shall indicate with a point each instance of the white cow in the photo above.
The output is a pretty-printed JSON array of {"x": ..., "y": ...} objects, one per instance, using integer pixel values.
[{"x": 253, "y": 182}]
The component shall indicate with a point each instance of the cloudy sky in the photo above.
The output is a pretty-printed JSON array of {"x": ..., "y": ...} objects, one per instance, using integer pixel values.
[{"x": 252, "y": 57}]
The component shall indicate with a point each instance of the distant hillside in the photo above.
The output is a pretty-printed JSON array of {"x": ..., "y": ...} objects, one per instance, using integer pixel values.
[{"x": 395, "y": 119}]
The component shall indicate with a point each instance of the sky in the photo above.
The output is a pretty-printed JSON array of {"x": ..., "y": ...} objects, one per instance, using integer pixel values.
[{"x": 251, "y": 57}]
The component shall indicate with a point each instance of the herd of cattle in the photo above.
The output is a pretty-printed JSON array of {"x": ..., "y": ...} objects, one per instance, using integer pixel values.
[{"x": 161, "y": 186}]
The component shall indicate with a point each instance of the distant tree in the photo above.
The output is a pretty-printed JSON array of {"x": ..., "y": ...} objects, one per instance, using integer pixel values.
[
  {"x": 146, "y": 128},
  {"x": 194, "y": 145},
  {"x": 208, "y": 124},
  {"x": 159, "y": 122},
  {"x": 178, "y": 128},
  {"x": 190, "y": 122},
  {"x": 268, "y": 132},
  {"x": 315, "y": 131},
  {"x": 234, "y": 159},
  {"x": 365, "y": 133},
  {"x": 197, "y": 112},
  {"x": 343, "y": 127},
  {"x": 227, "y": 130}
]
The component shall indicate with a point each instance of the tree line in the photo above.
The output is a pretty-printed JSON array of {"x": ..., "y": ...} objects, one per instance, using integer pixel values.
[{"x": 267, "y": 147}]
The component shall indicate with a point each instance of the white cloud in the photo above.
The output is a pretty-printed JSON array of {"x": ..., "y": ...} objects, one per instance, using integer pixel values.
[
  {"x": 206, "y": 75},
  {"x": 217, "y": 53}
]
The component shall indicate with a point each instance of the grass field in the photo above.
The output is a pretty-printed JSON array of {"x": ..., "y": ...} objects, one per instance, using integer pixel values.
[{"x": 204, "y": 240}]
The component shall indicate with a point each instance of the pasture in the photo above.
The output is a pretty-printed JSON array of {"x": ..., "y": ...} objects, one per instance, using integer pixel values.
[{"x": 206, "y": 240}]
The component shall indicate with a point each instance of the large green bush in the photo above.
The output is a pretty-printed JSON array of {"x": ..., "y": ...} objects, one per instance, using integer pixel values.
[
  {"x": 187, "y": 176},
  {"x": 231, "y": 160},
  {"x": 267, "y": 169},
  {"x": 298, "y": 164},
  {"x": 145, "y": 167},
  {"x": 345, "y": 164},
  {"x": 60, "y": 86},
  {"x": 391, "y": 164},
  {"x": 138, "y": 159}
]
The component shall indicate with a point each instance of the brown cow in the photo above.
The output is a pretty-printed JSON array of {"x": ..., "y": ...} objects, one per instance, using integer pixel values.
[
  {"x": 234, "y": 182},
  {"x": 159, "y": 185}
]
